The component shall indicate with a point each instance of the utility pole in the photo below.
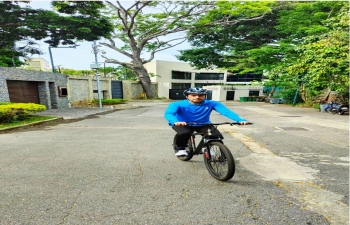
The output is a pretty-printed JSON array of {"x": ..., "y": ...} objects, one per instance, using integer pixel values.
[
  {"x": 51, "y": 58},
  {"x": 95, "y": 50}
]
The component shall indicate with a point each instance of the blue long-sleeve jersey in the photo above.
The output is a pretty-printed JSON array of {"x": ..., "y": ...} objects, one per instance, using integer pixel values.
[{"x": 184, "y": 111}]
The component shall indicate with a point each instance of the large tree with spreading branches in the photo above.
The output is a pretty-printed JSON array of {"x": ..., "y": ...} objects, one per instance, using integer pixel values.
[{"x": 143, "y": 28}]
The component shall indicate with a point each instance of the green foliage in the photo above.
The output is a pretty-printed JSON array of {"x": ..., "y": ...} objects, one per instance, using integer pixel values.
[
  {"x": 28, "y": 120},
  {"x": 124, "y": 73},
  {"x": 21, "y": 25},
  {"x": 113, "y": 101},
  {"x": 120, "y": 72},
  {"x": 76, "y": 72},
  {"x": 299, "y": 44},
  {"x": 323, "y": 60},
  {"x": 288, "y": 95},
  {"x": 225, "y": 46},
  {"x": 306, "y": 18},
  {"x": 10, "y": 112}
]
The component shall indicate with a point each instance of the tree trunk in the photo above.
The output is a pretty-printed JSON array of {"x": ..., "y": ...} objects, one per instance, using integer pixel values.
[
  {"x": 145, "y": 80},
  {"x": 271, "y": 92}
]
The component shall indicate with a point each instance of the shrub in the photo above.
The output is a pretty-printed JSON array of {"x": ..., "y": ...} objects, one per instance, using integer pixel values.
[
  {"x": 113, "y": 101},
  {"x": 10, "y": 112}
]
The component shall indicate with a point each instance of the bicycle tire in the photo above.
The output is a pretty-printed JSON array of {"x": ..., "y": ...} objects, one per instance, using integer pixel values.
[
  {"x": 329, "y": 110},
  {"x": 221, "y": 165}
]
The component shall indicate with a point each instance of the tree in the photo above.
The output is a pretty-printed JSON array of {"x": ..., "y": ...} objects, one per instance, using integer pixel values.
[
  {"x": 323, "y": 61},
  {"x": 277, "y": 42},
  {"x": 21, "y": 25},
  {"x": 226, "y": 46},
  {"x": 241, "y": 48},
  {"x": 147, "y": 27},
  {"x": 10, "y": 32}
]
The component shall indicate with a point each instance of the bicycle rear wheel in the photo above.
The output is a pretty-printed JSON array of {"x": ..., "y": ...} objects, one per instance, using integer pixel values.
[
  {"x": 220, "y": 164},
  {"x": 189, "y": 151}
]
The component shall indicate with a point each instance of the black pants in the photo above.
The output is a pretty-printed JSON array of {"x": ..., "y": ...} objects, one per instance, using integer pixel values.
[{"x": 183, "y": 134}]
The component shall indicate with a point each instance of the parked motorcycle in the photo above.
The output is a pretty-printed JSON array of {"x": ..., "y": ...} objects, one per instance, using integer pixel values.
[{"x": 334, "y": 107}]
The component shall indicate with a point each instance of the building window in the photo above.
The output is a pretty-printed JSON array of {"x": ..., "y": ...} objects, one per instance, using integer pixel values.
[
  {"x": 247, "y": 77},
  {"x": 62, "y": 91},
  {"x": 254, "y": 93},
  {"x": 209, "y": 76},
  {"x": 180, "y": 85},
  {"x": 180, "y": 75}
]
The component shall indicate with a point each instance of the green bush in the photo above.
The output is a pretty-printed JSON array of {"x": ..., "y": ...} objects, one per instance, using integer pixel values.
[
  {"x": 289, "y": 94},
  {"x": 113, "y": 101},
  {"x": 10, "y": 112}
]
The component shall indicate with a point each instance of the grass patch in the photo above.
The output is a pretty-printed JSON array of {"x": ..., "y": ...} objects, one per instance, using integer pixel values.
[
  {"x": 308, "y": 105},
  {"x": 28, "y": 120},
  {"x": 113, "y": 101}
]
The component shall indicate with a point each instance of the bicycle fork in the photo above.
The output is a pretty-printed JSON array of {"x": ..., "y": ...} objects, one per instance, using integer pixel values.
[{"x": 202, "y": 147}]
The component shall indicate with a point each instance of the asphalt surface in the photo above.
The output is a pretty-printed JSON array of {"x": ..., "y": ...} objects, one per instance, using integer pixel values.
[{"x": 116, "y": 166}]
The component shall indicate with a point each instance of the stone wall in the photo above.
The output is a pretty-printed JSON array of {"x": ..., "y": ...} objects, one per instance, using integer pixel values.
[
  {"x": 48, "y": 84},
  {"x": 80, "y": 89},
  {"x": 84, "y": 89},
  {"x": 134, "y": 90}
]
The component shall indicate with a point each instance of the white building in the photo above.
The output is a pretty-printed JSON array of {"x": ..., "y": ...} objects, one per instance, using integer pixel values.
[
  {"x": 174, "y": 77},
  {"x": 38, "y": 64}
]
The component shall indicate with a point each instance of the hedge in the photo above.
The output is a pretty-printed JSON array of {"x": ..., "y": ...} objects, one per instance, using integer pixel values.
[{"x": 10, "y": 112}]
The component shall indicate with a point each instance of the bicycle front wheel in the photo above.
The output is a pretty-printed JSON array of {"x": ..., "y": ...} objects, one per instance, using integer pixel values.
[{"x": 220, "y": 164}]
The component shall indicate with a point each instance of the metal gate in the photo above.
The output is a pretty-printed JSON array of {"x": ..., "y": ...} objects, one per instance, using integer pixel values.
[
  {"x": 23, "y": 91},
  {"x": 117, "y": 89},
  {"x": 178, "y": 94},
  {"x": 230, "y": 95}
]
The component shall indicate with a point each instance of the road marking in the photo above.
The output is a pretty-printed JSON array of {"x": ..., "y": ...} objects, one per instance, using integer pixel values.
[
  {"x": 304, "y": 119},
  {"x": 267, "y": 164},
  {"x": 293, "y": 178}
]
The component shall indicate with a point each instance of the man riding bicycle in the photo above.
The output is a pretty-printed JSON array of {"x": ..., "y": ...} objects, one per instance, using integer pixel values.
[{"x": 195, "y": 109}]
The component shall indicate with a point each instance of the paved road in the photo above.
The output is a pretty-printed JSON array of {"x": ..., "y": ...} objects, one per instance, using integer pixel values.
[{"x": 119, "y": 168}]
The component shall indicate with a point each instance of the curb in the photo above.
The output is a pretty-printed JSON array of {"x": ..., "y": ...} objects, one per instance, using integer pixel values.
[{"x": 30, "y": 124}]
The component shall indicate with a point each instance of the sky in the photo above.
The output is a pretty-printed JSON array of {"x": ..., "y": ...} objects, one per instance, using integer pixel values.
[{"x": 81, "y": 57}]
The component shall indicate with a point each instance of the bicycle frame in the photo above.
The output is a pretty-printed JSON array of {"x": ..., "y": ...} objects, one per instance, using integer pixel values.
[
  {"x": 206, "y": 138},
  {"x": 197, "y": 149}
]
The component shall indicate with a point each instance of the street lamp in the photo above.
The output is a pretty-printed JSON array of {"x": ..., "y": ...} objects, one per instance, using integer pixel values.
[{"x": 53, "y": 67}]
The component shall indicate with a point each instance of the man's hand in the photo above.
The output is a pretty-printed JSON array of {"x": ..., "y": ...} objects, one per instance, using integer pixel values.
[
  {"x": 180, "y": 124},
  {"x": 244, "y": 123}
]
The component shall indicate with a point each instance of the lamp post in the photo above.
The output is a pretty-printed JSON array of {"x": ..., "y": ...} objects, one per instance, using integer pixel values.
[
  {"x": 96, "y": 66},
  {"x": 53, "y": 66}
]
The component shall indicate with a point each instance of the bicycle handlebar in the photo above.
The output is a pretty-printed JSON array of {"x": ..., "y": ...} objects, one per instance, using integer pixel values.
[{"x": 216, "y": 124}]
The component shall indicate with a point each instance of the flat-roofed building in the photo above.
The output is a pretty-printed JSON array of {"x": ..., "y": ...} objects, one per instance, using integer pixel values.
[
  {"x": 38, "y": 64},
  {"x": 172, "y": 77}
]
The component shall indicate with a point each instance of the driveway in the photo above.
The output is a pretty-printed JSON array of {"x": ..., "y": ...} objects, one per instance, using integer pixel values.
[{"x": 119, "y": 168}]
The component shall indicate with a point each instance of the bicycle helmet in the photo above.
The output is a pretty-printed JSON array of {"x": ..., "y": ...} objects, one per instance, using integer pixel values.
[{"x": 195, "y": 90}]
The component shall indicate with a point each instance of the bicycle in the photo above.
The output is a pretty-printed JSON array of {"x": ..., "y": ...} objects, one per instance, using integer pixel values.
[{"x": 217, "y": 157}]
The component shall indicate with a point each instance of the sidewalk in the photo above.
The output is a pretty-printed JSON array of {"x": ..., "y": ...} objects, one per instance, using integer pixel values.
[
  {"x": 73, "y": 113},
  {"x": 81, "y": 112}
]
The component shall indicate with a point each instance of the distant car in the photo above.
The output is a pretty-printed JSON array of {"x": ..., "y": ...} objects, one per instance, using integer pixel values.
[{"x": 276, "y": 100}]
